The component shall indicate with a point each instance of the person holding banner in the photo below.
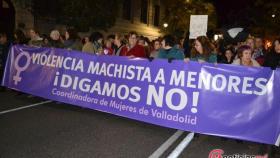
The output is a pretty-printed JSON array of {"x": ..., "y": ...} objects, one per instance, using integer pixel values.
[
  {"x": 244, "y": 54},
  {"x": 228, "y": 56},
  {"x": 133, "y": 49},
  {"x": 55, "y": 41},
  {"x": 4, "y": 49},
  {"x": 156, "y": 48},
  {"x": 202, "y": 51},
  {"x": 108, "y": 48},
  {"x": 35, "y": 39},
  {"x": 72, "y": 40},
  {"x": 19, "y": 37},
  {"x": 169, "y": 50},
  {"x": 272, "y": 59},
  {"x": 119, "y": 42}
]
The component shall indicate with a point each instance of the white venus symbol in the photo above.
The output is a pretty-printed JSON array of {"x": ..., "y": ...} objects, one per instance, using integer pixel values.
[{"x": 19, "y": 69}]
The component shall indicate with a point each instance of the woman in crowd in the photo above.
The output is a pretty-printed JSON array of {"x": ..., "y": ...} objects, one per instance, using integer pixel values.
[
  {"x": 119, "y": 42},
  {"x": 72, "y": 40},
  {"x": 250, "y": 41},
  {"x": 202, "y": 51},
  {"x": 244, "y": 54},
  {"x": 228, "y": 56},
  {"x": 55, "y": 39},
  {"x": 35, "y": 39},
  {"x": 4, "y": 49},
  {"x": 97, "y": 41},
  {"x": 145, "y": 42},
  {"x": 85, "y": 40},
  {"x": 259, "y": 51},
  {"x": 169, "y": 49},
  {"x": 88, "y": 46},
  {"x": 272, "y": 59},
  {"x": 156, "y": 48},
  {"x": 133, "y": 49},
  {"x": 108, "y": 49},
  {"x": 19, "y": 37}
]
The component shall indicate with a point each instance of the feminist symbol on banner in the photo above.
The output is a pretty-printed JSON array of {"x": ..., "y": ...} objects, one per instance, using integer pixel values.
[{"x": 19, "y": 68}]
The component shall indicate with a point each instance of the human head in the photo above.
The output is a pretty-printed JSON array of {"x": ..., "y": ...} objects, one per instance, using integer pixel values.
[
  {"x": 132, "y": 38},
  {"x": 229, "y": 53},
  {"x": 157, "y": 44},
  {"x": 55, "y": 35},
  {"x": 119, "y": 39},
  {"x": 244, "y": 52},
  {"x": 141, "y": 41},
  {"x": 276, "y": 46},
  {"x": 19, "y": 37},
  {"x": 259, "y": 42},
  {"x": 168, "y": 41},
  {"x": 250, "y": 42},
  {"x": 202, "y": 46},
  {"x": 85, "y": 40},
  {"x": 108, "y": 43},
  {"x": 71, "y": 34},
  {"x": 181, "y": 41},
  {"x": 33, "y": 33},
  {"x": 96, "y": 37},
  {"x": 111, "y": 38},
  {"x": 3, "y": 38}
]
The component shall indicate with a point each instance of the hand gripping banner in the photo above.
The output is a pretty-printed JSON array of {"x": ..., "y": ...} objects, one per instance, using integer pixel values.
[{"x": 222, "y": 100}]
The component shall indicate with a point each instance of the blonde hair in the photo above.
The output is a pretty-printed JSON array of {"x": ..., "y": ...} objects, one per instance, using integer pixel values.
[
  {"x": 121, "y": 38},
  {"x": 54, "y": 34}
]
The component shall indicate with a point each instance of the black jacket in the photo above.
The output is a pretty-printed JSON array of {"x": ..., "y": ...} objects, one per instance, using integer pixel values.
[
  {"x": 272, "y": 60},
  {"x": 4, "y": 50}
]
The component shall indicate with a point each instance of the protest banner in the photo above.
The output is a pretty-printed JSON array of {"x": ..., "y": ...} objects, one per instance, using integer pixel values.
[{"x": 223, "y": 100}]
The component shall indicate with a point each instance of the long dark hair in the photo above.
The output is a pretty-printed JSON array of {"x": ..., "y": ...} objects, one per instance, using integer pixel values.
[
  {"x": 273, "y": 45},
  {"x": 19, "y": 37},
  {"x": 73, "y": 34},
  {"x": 224, "y": 54},
  {"x": 206, "y": 47},
  {"x": 95, "y": 36}
]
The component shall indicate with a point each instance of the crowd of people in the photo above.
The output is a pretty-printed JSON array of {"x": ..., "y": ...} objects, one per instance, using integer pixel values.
[{"x": 250, "y": 52}]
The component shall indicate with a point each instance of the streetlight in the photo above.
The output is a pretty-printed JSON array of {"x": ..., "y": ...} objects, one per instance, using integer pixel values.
[
  {"x": 273, "y": 15},
  {"x": 165, "y": 25}
]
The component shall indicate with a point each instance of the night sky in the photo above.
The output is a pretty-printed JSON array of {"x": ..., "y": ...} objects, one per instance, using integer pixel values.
[
  {"x": 231, "y": 12},
  {"x": 261, "y": 17}
]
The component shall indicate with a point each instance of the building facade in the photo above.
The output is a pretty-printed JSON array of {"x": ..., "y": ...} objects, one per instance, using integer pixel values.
[{"x": 142, "y": 16}]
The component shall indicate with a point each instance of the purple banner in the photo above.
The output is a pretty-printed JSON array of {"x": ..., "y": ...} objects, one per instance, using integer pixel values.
[{"x": 223, "y": 100}]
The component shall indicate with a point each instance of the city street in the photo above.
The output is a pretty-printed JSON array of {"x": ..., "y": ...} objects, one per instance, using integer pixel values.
[
  {"x": 139, "y": 79},
  {"x": 58, "y": 130}
]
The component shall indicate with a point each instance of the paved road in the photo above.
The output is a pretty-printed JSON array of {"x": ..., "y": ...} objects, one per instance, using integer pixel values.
[{"x": 66, "y": 131}]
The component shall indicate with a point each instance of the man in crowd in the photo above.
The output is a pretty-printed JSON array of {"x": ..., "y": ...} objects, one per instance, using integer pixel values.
[
  {"x": 35, "y": 39},
  {"x": 4, "y": 49},
  {"x": 133, "y": 49},
  {"x": 259, "y": 51}
]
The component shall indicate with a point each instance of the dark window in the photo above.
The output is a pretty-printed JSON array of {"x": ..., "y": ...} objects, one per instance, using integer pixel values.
[
  {"x": 5, "y": 5},
  {"x": 156, "y": 15},
  {"x": 144, "y": 11},
  {"x": 127, "y": 9},
  {"x": 48, "y": 8}
]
